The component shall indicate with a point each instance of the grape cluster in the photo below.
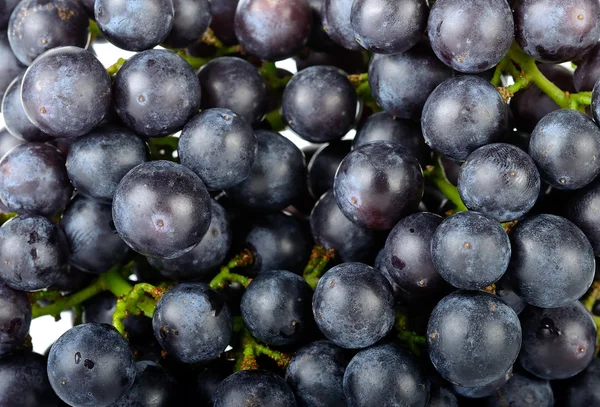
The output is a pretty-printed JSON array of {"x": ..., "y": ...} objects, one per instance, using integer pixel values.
[{"x": 313, "y": 203}]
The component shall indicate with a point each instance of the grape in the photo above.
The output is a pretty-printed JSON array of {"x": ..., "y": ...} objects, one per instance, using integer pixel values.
[
  {"x": 336, "y": 22},
  {"x": 148, "y": 22},
  {"x": 318, "y": 39},
  {"x": 485, "y": 390},
  {"x": 557, "y": 343},
  {"x": 463, "y": 114},
  {"x": 276, "y": 177},
  {"x": 470, "y": 37},
  {"x": 499, "y": 180},
  {"x": 596, "y": 103},
  {"x": 473, "y": 338},
  {"x": 203, "y": 384},
  {"x": 506, "y": 292},
  {"x": 191, "y": 19},
  {"x": 383, "y": 126},
  {"x": 91, "y": 365},
  {"x": 557, "y": 30},
  {"x": 407, "y": 261},
  {"x": 223, "y": 14},
  {"x": 152, "y": 387},
  {"x": 522, "y": 389},
  {"x": 192, "y": 323},
  {"x": 316, "y": 374},
  {"x": 324, "y": 164},
  {"x": 319, "y": 104},
  {"x": 76, "y": 94},
  {"x": 156, "y": 92},
  {"x": 98, "y": 161},
  {"x": 381, "y": 169},
  {"x": 440, "y": 396},
  {"x": 588, "y": 71},
  {"x": 331, "y": 229},
  {"x": 258, "y": 387},
  {"x": 353, "y": 305},
  {"x": 7, "y": 143},
  {"x": 25, "y": 382},
  {"x": 542, "y": 275},
  {"x": 385, "y": 375},
  {"x": 15, "y": 318},
  {"x": 389, "y": 26},
  {"x": 276, "y": 308},
  {"x": 219, "y": 146},
  {"x": 234, "y": 84},
  {"x": 401, "y": 83},
  {"x": 584, "y": 390},
  {"x": 565, "y": 146},
  {"x": 10, "y": 67},
  {"x": 272, "y": 30},
  {"x": 6, "y": 8},
  {"x": 94, "y": 245},
  {"x": 15, "y": 119},
  {"x": 71, "y": 280},
  {"x": 37, "y": 26},
  {"x": 200, "y": 262},
  {"x": 582, "y": 211}
]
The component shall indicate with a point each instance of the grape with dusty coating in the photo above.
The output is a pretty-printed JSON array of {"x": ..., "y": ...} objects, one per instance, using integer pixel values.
[
  {"x": 15, "y": 318},
  {"x": 336, "y": 22},
  {"x": 248, "y": 387},
  {"x": 192, "y": 18},
  {"x": 15, "y": 119}
]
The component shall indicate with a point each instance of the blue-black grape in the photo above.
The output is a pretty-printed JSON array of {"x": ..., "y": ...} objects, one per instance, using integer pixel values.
[
  {"x": 353, "y": 305},
  {"x": 192, "y": 323},
  {"x": 134, "y": 25},
  {"x": 219, "y": 146},
  {"x": 37, "y": 26},
  {"x": 223, "y": 14},
  {"x": 523, "y": 390},
  {"x": 316, "y": 374},
  {"x": 499, "y": 180},
  {"x": 470, "y": 37},
  {"x": 98, "y": 161},
  {"x": 389, "y": 26},
  {"x": 258, "y": 387},
  {"x": 152, "y": 387},
  {"x": 318, "y": 39},
  {"x": 385, "y": 375},
  {"x": 72, "y": 280},
  {"x": 191, "y": 19},
  {"x": 6, "y": 8},
  {"x": 76, "y": 92},
  {"x": 506, "y": 292},
  {"x": 587, "y": 72},
  {"x": 156, "y": 92},
  {"x": 272, "y": 30},
  {"x": 161, "y": 209},
  {"x": 324, "y": 164},
  {"x": 15, "y": 318},
  {"x": 552, "y": 261},
  {"x": 234, "y": 84},
  {"x": 384, "y": 170},
  {"x": 33, "y": 252},
  {"x": 557, "y": 31},
  {"x": 276, "y": 177},
  {"x": 319, "y": 104},
  {"x": 463, "y": 114},
  {"x": 91, "y": 365},
  {"x": 485, "y": 390},
  {"x": 584, "y": 390},
  {"x": 94, "y": 245},
  {"x": 336, "y": 22},
  {"x": 582, "y": 211},
  {"x": 473, "y": 338},
  {"x": 401, "y": 83},
  {"x": 15, "y": 119},
  {"x": 10, "y": 67},
  {"x": 7, "y": 143},
  {"x": 441, "y": 396}
]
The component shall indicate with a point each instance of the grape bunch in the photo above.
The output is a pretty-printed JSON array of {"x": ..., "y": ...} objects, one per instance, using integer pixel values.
[{"x": 312, "y": 203}]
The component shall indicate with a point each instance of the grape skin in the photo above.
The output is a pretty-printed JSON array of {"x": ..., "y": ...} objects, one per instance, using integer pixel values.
[
  {"x": 10, "y": 67},
  {"x": 191, "y": 19},
  {"x": 324, "y": 164},
  {"x": 15, "y": 318},
  {"x": 248, "y": 387},
  {"x": 336, "y": 23},
  {"x": 523, "y": 388},
  {"x": 15, "y": 119}
]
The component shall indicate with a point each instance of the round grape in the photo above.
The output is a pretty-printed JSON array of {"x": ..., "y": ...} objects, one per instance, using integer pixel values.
[
  {"x": 248, "y": 387},
  {"x": 152, "y": 387},
  {"x": 584, "y": 390},
  {"x": 522, "y": 388},
  {"x": 223, "y": 14},
  {"x": 324, "y": 164},
  {"x": 587, "y": 72},
  {"x": 15, "y": 318},
  {"x": 336, "y": 22},
  {"x": 191, "y": 19},
  {"x": 10, "y": 67},
  {"x": 15, "y": 119}
]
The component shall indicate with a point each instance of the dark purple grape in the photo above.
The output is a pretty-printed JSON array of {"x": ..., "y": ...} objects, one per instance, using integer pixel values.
[
  {"x": 10, "y": 67},
  {"x": 485, "y": 390},
  {"x": 506, "y": 292},
  {"x": 202, "y": 384},
  {"x": 161, "y": 209},
  {"x": 584, "y": 390},
  {"x": 335, "y": 15},
  {"x": 473, "y": 338},
  {"x": 565, "y": 146},
  {"x": 152, "y": 387},
  {"x": 319, "y": 104},
  {"x": 276, "y": 177},
  {"x": 383, "y": 170},
  {"x": 156, "y": 92},
  {"x": 324, "y": 164},
  {"x": 219, "y": 146},
  {"x": 272, "y": 30},
  {"x": 91, "y": 365},
  {"x": 235, "y": 84},
  {"x": 72, "y": 280},
  {"x": 15, "y": 318},
  {"x": 15, "y": 119},
  {"x": 6, "y": 8},
  {"x": 499, "y": 180},
  {"x": 100, "y": 309},
  {"x": 557, "y": 31},
  {"x": 204, "y": 259},
  {"x": 523, "y": 390},
  {"x": 7, "y": 143},
  {"x": 557, "y": 343},
  {"x": 192, "y": 18},
  {"x": 248, "y": 387},
  {"x": 33, "y": 252},
  {"x": 37, "y": 26},
  {"x": 389, "y": 26},
  {"x": 401, "y": 83},
  {"x": 582, "y": 211},
  {"x": 463, "y": 114},
  {"x": 98, "y": 161},
  {"x": 134, "y": 25},
  {"x": 223, "y": 14},
  {"x": 353, "y": 305},
  {"x": 76, "y": 92},
  {"x": 192, "y": 323},
  {"x": 542, "y": 275},
  {"x": 441, "y": 396},
  {"x": 316, "y": 374},
  {"x": 318, "y": 39},
  {"x": 588, "y": 71},
  {"x": 470, "y": 37}
]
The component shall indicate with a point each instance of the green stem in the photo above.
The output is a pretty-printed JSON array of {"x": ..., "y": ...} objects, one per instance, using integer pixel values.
[
  {"x": 251, "y": 349},
  {"x": 269, "y": 71},
  {"x": 275, "y": 119},
  {"x": 435, "y": 174},
  {"x": 94, "y": 30},
  {"x": 135, "y": 302},
  {"x": 409, "y": 338},
  {"x": 114, "y": 68},
  {"x": 319, "y": 258},
  {"x": 245, "y": 258},
  {"x": 358, "y": 80},
  {"x": 592, "y": 296},
  {"x": 5, "y": 217}
]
